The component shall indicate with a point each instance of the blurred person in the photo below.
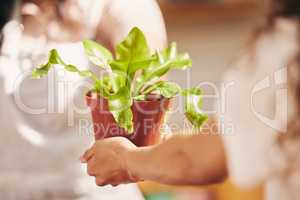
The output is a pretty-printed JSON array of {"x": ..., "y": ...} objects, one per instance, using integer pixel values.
[
  {"x": 39, "y": 147},
  {"x": 259, "y": 151}
]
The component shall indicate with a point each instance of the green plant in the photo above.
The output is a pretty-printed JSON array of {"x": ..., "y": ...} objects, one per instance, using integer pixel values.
[{"x": 122, "y": 85}]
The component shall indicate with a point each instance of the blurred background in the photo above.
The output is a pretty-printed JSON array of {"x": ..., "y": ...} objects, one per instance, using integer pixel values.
[{"x": 213, "y": 32}]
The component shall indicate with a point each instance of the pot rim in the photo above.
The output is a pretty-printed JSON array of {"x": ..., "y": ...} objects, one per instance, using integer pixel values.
[{"x": 90, "y": 92}]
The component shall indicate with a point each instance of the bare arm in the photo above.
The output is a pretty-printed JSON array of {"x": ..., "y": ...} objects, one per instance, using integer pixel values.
[
  {"x": 197, "y": 159},
  {"x": 192, "y": 159}
]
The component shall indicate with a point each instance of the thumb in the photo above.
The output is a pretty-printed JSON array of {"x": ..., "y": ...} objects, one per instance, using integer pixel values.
[{"x": 87, "y": 155}]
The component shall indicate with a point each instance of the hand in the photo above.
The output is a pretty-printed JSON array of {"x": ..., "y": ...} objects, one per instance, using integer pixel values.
[{"x": 106, "y": 161}]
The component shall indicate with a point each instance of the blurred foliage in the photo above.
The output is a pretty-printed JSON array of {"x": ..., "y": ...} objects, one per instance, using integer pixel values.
[{"x": 160, "y": 196}]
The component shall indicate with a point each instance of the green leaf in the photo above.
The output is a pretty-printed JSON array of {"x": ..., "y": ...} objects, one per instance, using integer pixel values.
[
  {"x": 133, "y": 53},
  {"x": 166, "y": 89},
  {"x": 114, "y": 82},
  {"x": 97, "y": 54},
  {"x": 192, "y": 91},
  {"x": 120, "y": 100},
  {"x": 140, "y": 97},
  {"x": 120, "y": 106},
  {"x": 71, "y": 68},
  {"x": 119, "y": 66},
  {"x": 124, "y": 118},
  {"x": 193, "y": 104},
  {"x": 196, "y": 119},
  {"x": 176, "y": 60},
  {"x": 164, "y": 61},
  {"x": 85, "y": 73},
  {"x": 151, "y": 88},
  {"x": 55, "y": 59},
  {"x": 43, "y": 70}
]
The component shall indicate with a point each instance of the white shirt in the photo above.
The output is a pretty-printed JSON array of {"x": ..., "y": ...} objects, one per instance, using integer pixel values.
[{"x": 258, "y": 108}]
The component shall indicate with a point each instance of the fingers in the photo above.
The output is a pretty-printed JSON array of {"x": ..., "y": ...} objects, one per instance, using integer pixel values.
[
  {"x": 87, "y": 155},
  {"x": 100, "y": 182},
  {"x": 104, "y": 175},
  {"x": 115, "y": 180},
  {"x": 105, "y": 162},
  {"x": 91, "y": 170}
]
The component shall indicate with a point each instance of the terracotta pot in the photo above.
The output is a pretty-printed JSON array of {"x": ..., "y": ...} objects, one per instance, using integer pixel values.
[{"x": 148, "y": 117}]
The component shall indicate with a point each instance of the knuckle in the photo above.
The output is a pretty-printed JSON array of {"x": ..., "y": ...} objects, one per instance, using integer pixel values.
[{"x": 100, "y": 182}]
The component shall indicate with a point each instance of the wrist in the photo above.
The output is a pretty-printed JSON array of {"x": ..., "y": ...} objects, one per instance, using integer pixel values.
[{"x": 137, "y": 163}]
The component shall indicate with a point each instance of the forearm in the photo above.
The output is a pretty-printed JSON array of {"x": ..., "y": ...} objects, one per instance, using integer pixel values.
[{"x": 197, "y": 159}]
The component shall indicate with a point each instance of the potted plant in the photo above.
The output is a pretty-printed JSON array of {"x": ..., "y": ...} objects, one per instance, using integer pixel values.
[{"x": 130, "y": 99}]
